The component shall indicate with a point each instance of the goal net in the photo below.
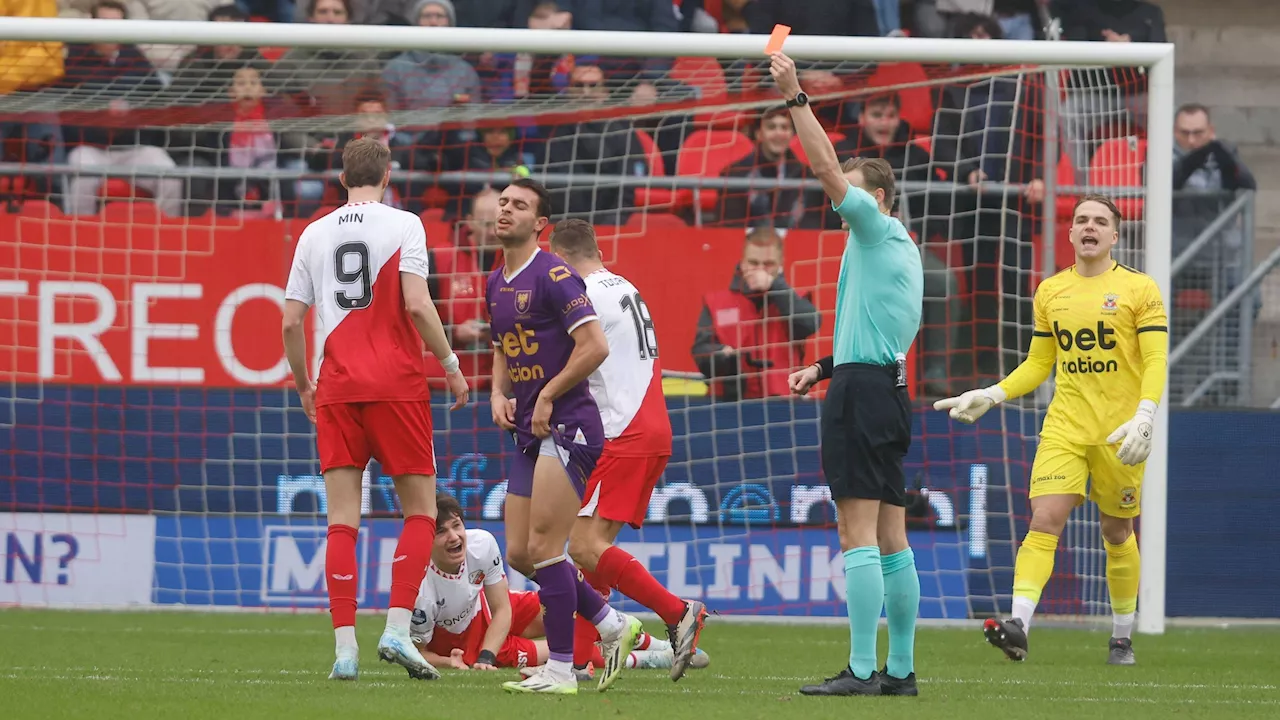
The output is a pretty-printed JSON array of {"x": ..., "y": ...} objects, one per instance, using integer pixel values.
[{"x": 156, "y": 455}]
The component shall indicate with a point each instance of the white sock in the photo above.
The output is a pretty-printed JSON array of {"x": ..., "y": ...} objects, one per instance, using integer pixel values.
[
  {"x": 345, "y": 637},
  {"x": 612, "y": 624},
  {"x": 398, "y": 619},
  {"x": 658, "y": 645},
  {"x": 561, "y": 668},
  {"x": 1023, "y": 609},
  {"x": 1122, "y": 626}
]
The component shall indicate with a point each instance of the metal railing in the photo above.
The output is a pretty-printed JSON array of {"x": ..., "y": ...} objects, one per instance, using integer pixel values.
[{"x": 1214, "y": 302}]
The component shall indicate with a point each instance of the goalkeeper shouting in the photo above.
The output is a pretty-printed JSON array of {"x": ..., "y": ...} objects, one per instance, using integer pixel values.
[{"x": 1104, "y": 325}]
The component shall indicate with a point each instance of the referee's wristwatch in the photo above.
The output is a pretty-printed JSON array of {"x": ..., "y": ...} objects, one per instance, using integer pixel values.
[{"x": 800, "y": 100}]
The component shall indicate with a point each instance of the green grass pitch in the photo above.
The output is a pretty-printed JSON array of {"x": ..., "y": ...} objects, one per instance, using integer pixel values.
[{"x": 189, "y": 666}]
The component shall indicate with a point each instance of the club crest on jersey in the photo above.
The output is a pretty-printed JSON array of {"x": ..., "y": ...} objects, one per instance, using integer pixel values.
[
  {"x": 1128, "y": 497},
  {"x": 476, "y": 577},
  {"x": 524, "y": 298},
  {"x": 1110, "y": 303}
]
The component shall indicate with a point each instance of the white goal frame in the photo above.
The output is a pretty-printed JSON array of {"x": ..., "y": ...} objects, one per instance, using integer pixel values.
[{"x": 1158, "y": 59}]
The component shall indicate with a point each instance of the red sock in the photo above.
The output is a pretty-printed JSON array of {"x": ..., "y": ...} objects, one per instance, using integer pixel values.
[
  {"x": 594, "y": 580},
  {"x": 340, "y": 573},
  {"x": 620, "y": 570},
  {"x": 584, "y": 641},
  {"x": 597, "y": 658},
  {"x": 643, "y": 642},
  {"x": 413, "y": 553}
]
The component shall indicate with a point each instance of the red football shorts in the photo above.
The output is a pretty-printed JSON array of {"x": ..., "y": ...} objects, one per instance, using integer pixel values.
[
  {"x": 516, "y": 652},
  {"x": 398, "y": 434},
  {"x": 620, "y": 487}
]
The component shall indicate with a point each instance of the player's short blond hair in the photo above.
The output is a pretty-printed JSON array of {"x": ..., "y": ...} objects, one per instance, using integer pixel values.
[
  {"x": 1101, "y": 200},
  {"x": 877, "y": 174},
  {"x": 365, "y": 162},
  {"x": 575, "y": 238},
  {"x": 764, "y": 236}
]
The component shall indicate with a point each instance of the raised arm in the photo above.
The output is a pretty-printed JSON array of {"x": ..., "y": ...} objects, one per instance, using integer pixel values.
[{"x": 822, "y": 154}]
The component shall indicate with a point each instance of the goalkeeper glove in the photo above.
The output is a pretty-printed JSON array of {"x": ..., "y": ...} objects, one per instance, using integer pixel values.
[
  {"x": 970, "y": 406},
  {"x": 1136, "y": 435}
]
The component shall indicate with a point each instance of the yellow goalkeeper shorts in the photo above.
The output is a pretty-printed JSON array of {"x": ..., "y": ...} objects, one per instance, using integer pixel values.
[{"x": 1064, "y": 468}]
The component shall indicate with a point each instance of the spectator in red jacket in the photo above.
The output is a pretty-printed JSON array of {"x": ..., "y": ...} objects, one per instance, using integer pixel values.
[
  {"x": 751, "y": 335},
  {"x": 460, "y": 271}
]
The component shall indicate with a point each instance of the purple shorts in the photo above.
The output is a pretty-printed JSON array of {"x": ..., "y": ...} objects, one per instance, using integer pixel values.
[{"x": 578, "y": 458}]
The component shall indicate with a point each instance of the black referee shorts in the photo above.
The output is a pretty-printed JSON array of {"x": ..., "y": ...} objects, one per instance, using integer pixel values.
[{"x": 866, "y": 430}]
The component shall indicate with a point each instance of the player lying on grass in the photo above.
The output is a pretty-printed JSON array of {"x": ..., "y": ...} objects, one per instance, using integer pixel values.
[
  {"x": 627, "y": 388},
  {"x": 466, "y": 617},
  {"x": 547, "y": 341},
  {"x": 1104, "y": 325}
]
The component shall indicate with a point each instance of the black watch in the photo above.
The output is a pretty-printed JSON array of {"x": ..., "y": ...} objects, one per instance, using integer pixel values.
[{"x": 800, "y": 100}]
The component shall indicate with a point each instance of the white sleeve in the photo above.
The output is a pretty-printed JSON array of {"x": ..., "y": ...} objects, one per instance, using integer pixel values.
[
  {"x": 299, "y": 287},
  {"x": 413, "y": 249},
  {"x": 494, "y": 570}
]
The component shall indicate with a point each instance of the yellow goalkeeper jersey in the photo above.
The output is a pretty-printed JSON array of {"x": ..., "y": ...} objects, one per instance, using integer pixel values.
[{"x": 1107, "y": 336}]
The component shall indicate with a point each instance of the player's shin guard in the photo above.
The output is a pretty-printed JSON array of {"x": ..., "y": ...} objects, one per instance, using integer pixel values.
[
  {"x": 559, "y": 597},
  {"x": 619, "y": 569},
  {"x": 864, "y": 585},
  {"x": 901, "y": 608},
  {"x": 413, "y": 554},
  {"x": 1031, "y": 572},
  {"x": 1123, "y": 568},
  {"x": 341, "y": 574}
]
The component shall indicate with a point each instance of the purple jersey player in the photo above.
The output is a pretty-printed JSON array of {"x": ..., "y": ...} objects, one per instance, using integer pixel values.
[{"x": 547, "y": 341}]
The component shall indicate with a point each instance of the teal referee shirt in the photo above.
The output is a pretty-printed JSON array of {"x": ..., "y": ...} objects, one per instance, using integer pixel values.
[{"x": 881, "y": 288}]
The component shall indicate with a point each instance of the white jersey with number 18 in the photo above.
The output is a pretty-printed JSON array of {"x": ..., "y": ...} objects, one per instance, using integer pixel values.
[
  {"x": 347, "y": 265},
  {"x": 627, "y": 386}
]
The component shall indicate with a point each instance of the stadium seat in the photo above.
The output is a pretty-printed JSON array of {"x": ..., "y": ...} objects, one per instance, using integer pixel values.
[
  {"x": 707, "y": 153},
  {"x": 432, "y": 215},
  {"x": 1119, "y": 163},
  {"x": 42, "y": 209},
  {"x": 798, "y": 150},
  {"x": 652, "y": 197},
  {"x": 707, "y": 76},
  {"x": 644, "y": 221},
  {"x": 138, "y": 214},
  {"x": 118, "y": 189}
]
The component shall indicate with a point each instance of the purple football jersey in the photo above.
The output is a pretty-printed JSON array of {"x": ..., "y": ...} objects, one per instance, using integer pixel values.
[{"x": 531, "y": 316}]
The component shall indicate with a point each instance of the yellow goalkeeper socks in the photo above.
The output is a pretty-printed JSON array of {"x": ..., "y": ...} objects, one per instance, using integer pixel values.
[
  {"x": 1031, "y": 573},
  {"x": 1124, "y": 566}
]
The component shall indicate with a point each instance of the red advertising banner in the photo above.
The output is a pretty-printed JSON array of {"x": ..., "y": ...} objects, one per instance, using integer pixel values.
[{"x": 133, "y": 298}]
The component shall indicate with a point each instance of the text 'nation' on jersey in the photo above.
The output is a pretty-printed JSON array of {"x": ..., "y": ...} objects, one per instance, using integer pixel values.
[
  {"x": 347, "y": 266},
  {"x": 1095, "y": 323},
  {"x": 533, "y": 312},
  {"x": 627, "y": 386}
]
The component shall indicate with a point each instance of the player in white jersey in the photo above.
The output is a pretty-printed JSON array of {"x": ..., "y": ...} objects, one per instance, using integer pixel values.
[
  {"x": 627, "y": 388},
  {"x": 364, "y": 268},
  {"x": 466, "y": 616}
]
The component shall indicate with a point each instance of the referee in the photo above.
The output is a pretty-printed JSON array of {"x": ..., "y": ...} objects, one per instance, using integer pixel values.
[{"x": 866, "y": 417}]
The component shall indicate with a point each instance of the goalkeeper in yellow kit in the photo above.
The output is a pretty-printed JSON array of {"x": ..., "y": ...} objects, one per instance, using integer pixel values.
[{"x": 1105, "y": 327}]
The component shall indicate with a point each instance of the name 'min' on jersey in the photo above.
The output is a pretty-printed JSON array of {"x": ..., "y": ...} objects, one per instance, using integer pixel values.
[
  {"x": 1095, "y": 323},
  {"x": 347, "y": 266},
  {"x": 627, "y": 386}
]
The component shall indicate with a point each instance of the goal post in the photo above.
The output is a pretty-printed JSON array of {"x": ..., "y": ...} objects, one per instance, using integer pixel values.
[{"x": 1155, "y": 60}]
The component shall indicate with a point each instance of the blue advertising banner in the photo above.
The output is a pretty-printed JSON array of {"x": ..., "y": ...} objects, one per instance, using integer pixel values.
[{"x": 277, "y": 561}]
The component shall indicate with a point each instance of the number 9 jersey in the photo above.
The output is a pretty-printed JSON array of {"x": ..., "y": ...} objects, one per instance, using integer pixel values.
[{"x": 347, "y": 265}]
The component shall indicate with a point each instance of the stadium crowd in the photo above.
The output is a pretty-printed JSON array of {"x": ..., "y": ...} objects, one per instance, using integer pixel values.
[{"x": 967, "y": 144}]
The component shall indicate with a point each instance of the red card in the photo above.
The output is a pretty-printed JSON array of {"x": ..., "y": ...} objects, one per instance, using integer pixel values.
[{"x": 779, "y": 36}]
